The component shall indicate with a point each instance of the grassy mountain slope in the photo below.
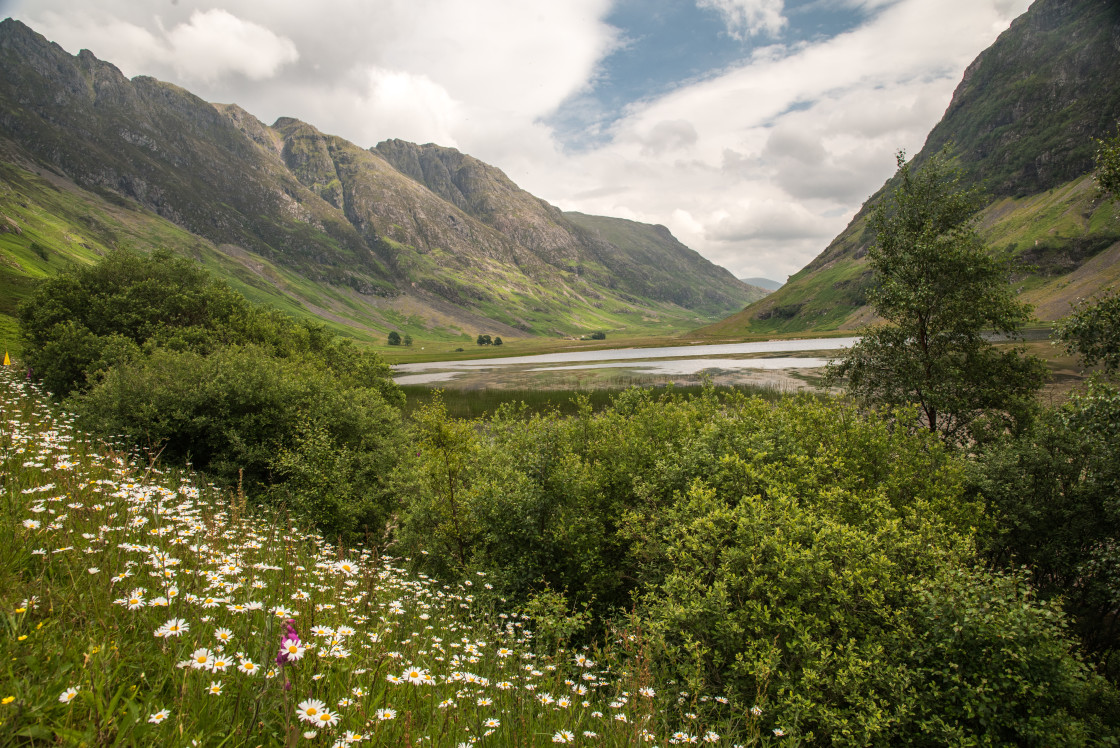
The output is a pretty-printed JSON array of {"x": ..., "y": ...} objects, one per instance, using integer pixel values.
[
  {"x": 303, "y": 220},
  {"x": 645, "y": 259},
  {"x": 1023, "y": 121},
  {"x": 48, "y": 223}
]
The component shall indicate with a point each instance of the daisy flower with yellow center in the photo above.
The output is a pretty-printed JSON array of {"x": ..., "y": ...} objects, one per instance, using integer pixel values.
[
  {"x": 309, "y": 710},
  {"x": 201, "y": 658},
  {"x": 293, "y": 648}
]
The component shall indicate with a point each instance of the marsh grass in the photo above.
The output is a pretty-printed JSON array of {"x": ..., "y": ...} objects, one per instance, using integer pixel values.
[
  {"x": 479, "y": 403},
  {"x": 141, "y": 607}
]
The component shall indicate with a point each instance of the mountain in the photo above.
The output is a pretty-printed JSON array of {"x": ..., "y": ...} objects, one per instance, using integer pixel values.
[
  {"x": 1023, "y": 121},
  {"x": 616, "y": 253},
  {"x": 419, "y": 239},
  {"x": 764, "y": 283}
]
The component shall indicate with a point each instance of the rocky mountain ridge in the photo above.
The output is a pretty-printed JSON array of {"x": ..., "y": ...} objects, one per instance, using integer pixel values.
[{"x": 400, "y": 236}]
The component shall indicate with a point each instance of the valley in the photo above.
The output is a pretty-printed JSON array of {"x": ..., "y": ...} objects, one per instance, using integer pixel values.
[{"x": 312, "y": 441}]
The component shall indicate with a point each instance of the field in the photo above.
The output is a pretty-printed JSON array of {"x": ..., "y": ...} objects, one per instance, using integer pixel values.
[{"x": 143, "y": 608}]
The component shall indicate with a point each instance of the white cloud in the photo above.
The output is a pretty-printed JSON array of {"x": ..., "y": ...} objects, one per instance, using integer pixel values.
[
  {"x": 668, "y": 135},
  {"x": 216, "y": 43},
  {"x": 749, "y": 17},
  {"x": 789, "y": 144},
  {"x": 400, "y": 101},
  {"x": 208, "y": 46}
]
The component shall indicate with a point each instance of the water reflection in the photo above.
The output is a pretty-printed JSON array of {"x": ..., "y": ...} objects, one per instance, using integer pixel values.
[
  {"x": 685, "y": 360},
  {"x": 610, "y": 354}
]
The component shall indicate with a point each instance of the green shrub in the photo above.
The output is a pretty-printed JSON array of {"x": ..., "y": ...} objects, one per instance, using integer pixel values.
[
  {"x": 798, "y": 555},
  {"x": 244, "y": 412},
  {"x": 863, "y": 635},
  {"x": 992, "y": 665},
  {"x": 151, "y": 348},
  {"x": 1052, "y": 492},
  {"x": 564, "y": 499}
]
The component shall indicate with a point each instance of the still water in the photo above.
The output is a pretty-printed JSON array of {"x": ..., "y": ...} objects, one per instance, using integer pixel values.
[{"x": 680, "y": 359}]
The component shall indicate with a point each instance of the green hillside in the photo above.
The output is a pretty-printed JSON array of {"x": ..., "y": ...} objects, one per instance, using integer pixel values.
[{"x": 1024, "y": 122}]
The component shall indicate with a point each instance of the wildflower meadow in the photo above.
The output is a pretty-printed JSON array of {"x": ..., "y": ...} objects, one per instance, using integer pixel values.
[{"x": 142, "y": 606}]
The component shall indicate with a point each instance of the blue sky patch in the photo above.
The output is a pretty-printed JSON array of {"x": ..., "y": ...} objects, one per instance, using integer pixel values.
[{"x": 666, "y": 44}]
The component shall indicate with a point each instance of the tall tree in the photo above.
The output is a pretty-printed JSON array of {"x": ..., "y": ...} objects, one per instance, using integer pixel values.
[{"x": 939, "y": 293}]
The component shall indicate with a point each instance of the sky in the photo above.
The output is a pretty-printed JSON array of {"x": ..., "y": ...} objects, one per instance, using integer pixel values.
[{"x": 752, "y": 129}]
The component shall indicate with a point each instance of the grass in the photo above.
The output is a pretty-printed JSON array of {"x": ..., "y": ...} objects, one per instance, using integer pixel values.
[
  {"x": 142, "y": 607},
  {"x": 484, "y": 402}
]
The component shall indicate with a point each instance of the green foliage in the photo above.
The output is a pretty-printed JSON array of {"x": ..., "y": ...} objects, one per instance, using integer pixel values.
[
  {"x": 497, "y": 340},
  {"x": 444, "y": 475},
  {"x": 483, "y": 339},
  {"x": 796, "y": 555},
  {"x": 394, "y": 338},
  {"x": 838, "y": 630},
  {"x": 1093, "y": 332},
  {"x": 565, "y": 499},
  {"x": 152, "y": 349},
  {"x": 326, "y": 446},
  {"x": 407, "y": 340},
  {"x": 1052, "y": 492},
  {"x": 762, "y": 590},
  {"x": 78, "y": 324},
  {"x": 1108, "y": 166},
  {"x": 992, "y": 666},
  {"x": 599, "y": 335},
  {"x": 555, "y": 622},
  {"x": 939, "y": 293}
]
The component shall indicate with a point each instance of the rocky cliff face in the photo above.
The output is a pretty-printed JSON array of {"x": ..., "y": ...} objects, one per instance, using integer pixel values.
[
  {"x": 1023, "y": 121},
  {"x": 1028, "y": 108},
  {"x": 484, "y": 192},
  {"x": 399, "y": 219},
  {"x": 635, "y": 258}
]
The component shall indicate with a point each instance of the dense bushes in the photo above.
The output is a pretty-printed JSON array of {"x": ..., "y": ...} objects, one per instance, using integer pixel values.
[
  {"x": 152, "y": 349},
  {"x": 1053, "y": 493},
  {"x": 863, "y": 635},
  {"x": 585, "y": 488},
  {"x": 798, "y": 555}
]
